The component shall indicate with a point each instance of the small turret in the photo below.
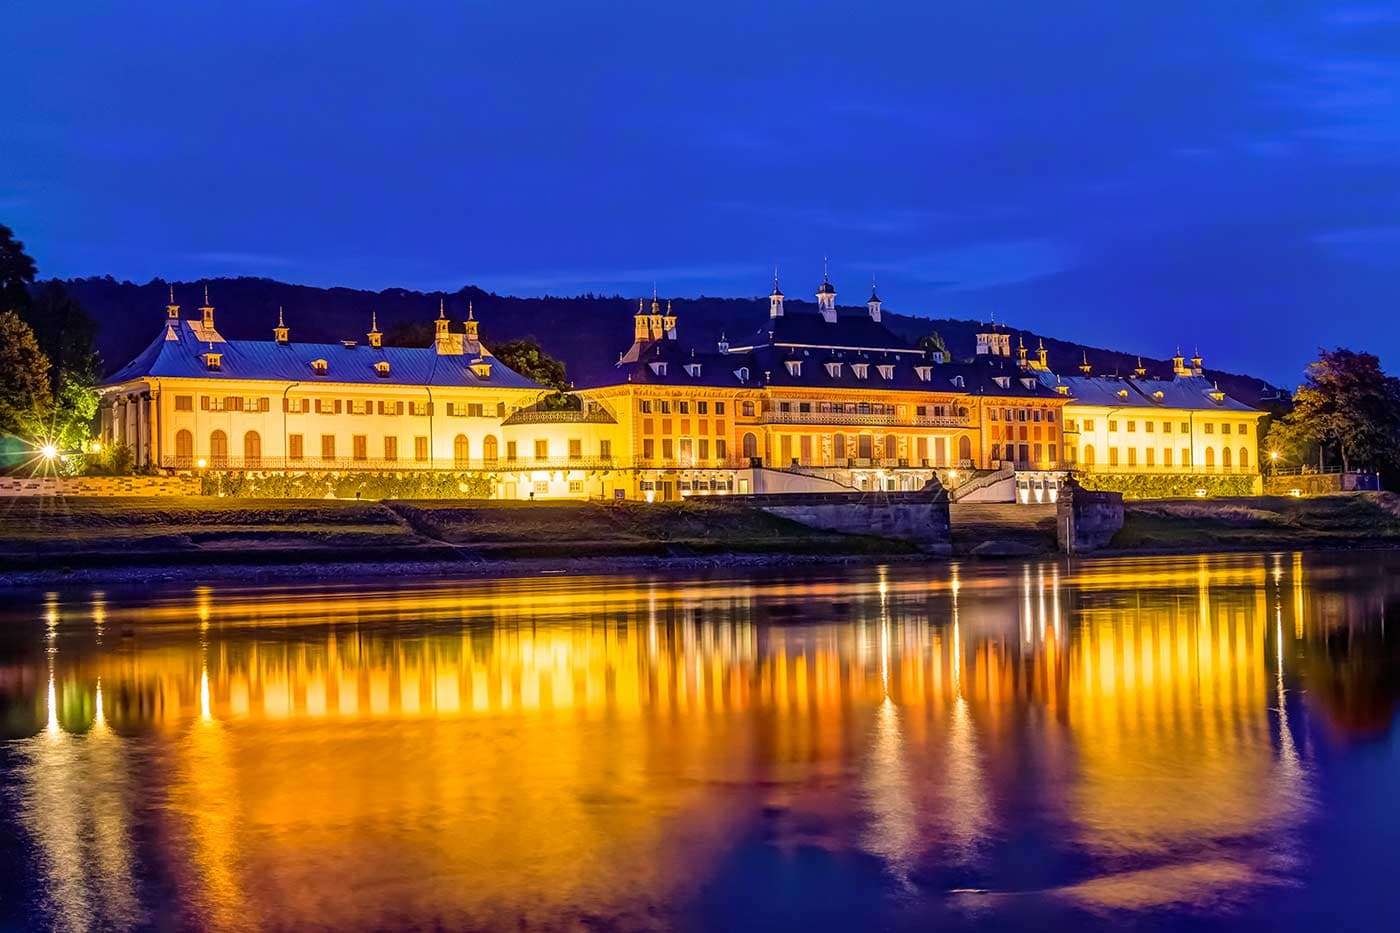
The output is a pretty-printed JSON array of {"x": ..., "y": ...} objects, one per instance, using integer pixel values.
[
  {"x": 1084, "y": 366},
  {"x": 1197, "y": 364},
  {"x": 723, "y": 345},
  {"x": 373, "y": 336},
  {"x": 669, "y": 322},
  {"x": 1179, "y": 364},
  {"x": 775, "y": 300},
  {"x": 993, "y": 341},
  {"x": 1022, "y": 354},
  {"x": 826, "y": 297},
  {"x": 654, "y": 320},
  {"x": 473, "y": 334},
  {"x": 873, "y": 304},
  {"x": 172, "y": 310},
  {"x": 206, "y": 311},
  {"x": 1139, "y": 370},
  {"x": 281, "y": 333},
  {"x": 640, "y": 329},
  {"x": 444, "y": 341},
  {"x": 1042, "y": 357},
  {"x": 440, "y": 328}
]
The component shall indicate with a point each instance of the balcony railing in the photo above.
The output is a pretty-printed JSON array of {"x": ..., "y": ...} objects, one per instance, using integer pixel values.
[
  {"x": 842, "y": 418},
  {"x": 574, "y": 416},
  {"x": 311, "y": 464}
]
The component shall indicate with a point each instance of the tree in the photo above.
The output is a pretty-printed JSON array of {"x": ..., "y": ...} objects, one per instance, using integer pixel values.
[
  {"x": 528, "y": 358},
  {"x": 933, "y": 343},
  {"x": 25, "y": 396},
  {"x": 1348, "y": 406},
  {"x": 66, "y": 334},
  {"x": 17, "y": 271}
]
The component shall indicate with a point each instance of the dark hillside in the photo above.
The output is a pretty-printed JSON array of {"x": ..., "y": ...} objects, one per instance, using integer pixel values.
[{"x": 586, "y": 332}]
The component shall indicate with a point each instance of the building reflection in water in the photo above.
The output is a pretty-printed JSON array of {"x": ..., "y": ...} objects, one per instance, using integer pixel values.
[{"x": 469, "y": 754}]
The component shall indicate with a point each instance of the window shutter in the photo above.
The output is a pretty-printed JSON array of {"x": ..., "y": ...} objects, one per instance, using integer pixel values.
[
  {"x": 286, "y": 404},
  {"x": 204, "y": 403},
  {"x": 337, "y": 406},
  {"x": 398, "y": 408},
  {"x": 430, "y": 408},
  {"x": 264, "y": 404}
]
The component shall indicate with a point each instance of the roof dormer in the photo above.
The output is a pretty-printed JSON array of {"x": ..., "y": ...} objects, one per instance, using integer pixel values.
[
  {"x": 833, "y": 369},
  {"x": 742, "y": 374},
  {"x": 481, "y": 369},
  {"x": 924, "y": 373},
  {"x": 213, "y": 362},
  {"x": 320, "y": 367},
  {"x": 692, "y": 370},
  {"x": 381, "y": 369},
  {"x": 861, "y": 370},
  {"x": 886, "y": 370},
  {"x": 659, "y": 368},
  {"x": 794, "y": 367}
]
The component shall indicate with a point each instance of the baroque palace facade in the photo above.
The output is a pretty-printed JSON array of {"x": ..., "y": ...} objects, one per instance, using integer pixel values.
[{"x": 823, "y": 399}]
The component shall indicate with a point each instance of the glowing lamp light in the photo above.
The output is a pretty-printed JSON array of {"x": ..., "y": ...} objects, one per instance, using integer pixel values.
[
  {"x": 952, "y": 474},
  {"x": 1200, "y": 493},
  {"x": 1273, "y": 455},
  {"x": 1296, "y": 493},
  {"x": 201, "y": 463},
  {"x": 651, "y": 495},
  {"x": 48, "y": 451},
  {"x": 97, "y": 447}
]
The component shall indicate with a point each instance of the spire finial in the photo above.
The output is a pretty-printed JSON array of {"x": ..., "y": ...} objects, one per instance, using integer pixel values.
[
  {"x": 280, "y": 322},
  {"x": 206, "y": 293},
  {"x": 471, "y": 312},
  {"x": 824, "y": 276},
  {"x": 373, "y": 320},
  {"x": 442, "y": 309},
  {"x": 172, "y": 294}
]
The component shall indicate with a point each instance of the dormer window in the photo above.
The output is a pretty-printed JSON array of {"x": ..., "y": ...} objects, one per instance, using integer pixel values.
[
  {"x": 658, "y": 368},
  {"x": 1062, "y": 389},
  {"x": 923, "y": 372},
  {"x": 1003, "y": 381},
  {"x": 1122, "y": 393},
  {"x": 833, "y": 370},
  {"x": 319, "y": 367},
  {"x": 794, "y": 367},
  {"x": 958, "y": 382},
  {"x": 1028, "y": 382},
  {"x": 481, "y": 369},
  {"x": 860, "y": 369},
  {"x": 742, "y": 374},
  {"x": 1159, "y": 395},
  {"x": 692, "y": 370},
  {"x": 1217, "y": 396},
  {"x": 886, "y": 371},
  {"x": 213, "y": 361},
  {"x": 381, "y": 369}
]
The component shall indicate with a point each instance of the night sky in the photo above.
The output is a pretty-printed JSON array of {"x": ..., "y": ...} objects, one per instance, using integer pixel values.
[{"x": 1134, "y": 175}]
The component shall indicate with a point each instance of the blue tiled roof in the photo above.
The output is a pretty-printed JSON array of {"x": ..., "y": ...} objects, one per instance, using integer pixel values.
[
  {"x": 1184, "y": 392},
  {"x": 183, "y": 357}
]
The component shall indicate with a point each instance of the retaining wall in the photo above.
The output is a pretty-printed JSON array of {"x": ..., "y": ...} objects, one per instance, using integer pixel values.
[
  {"x": 1086, "y": 520},
  {"x": 920, "y": 518}
]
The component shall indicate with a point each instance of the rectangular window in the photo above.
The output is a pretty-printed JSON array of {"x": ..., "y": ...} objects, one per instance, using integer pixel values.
[
  {"x": 1052, "y": 453},
  {"x": 685, "y": 408},
  {"x": 233, "y": 403},
  {"x": 644, "y": 406},
  {"x": 1147, "y": 426},
  {"x": 1185, "y": 427},
  {"x": 685, "y": 450},
  {"x": 420, "y": 449},
  {"x": 648, "y": 448},
  {"x": 391, "y": 448},
  {"x": 359, "y": 445},
  {"x": 719, "y": 408},
  {"x": 327, "y": 446},
  {"x": 542, "y": 449},
  {"x": 1088, "y": 424},
  {"x": 665, "y": 407},
  {"x": 1132, "y": 425},
  {"x": 720, "y": 452},
  {"x": 575, "y": 448},
  {"x": 294, "y": 447},
  {"x": 1050, "y": 418},
  {"x": 1225, "y": 428},
  {"x": 1244, "y": 429},
  {"x": 1035, "y": 416},
  {"x": 1166, "y": 456},
  {"x": 474, "y": 410},
  {"x": 1186, "y": 456},
  {"x": 1132, "y": 456},
  {"x": 510, "y": 451},
  {"x": 1151, "y": 454},
  {"x": 1166, "y": 427},
  {"x": 1209, "y": 427},
  {"x": 648, "y": 425},
  {"x": 1112, "y": 424},
  {"x": 605, "y": 449},
  {"x": 184, "y": 403},
  {"x": 1113, "y": 456},
  {"x": 541, "y": 487},
  {"x": 668, "y": 449},
  {"x": 702, "y": 408},
  {"x": 575, "y": 485},
  {"x": 704, "y": 448}
]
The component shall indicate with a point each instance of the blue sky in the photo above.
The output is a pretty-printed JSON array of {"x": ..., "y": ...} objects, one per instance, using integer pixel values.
[{"x": 1135, "y": 175}]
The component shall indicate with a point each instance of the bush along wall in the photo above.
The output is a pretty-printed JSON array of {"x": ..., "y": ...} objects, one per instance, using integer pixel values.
[
  {"x": 1170, "y": 486},
  {"x": 416, "y": 485}
]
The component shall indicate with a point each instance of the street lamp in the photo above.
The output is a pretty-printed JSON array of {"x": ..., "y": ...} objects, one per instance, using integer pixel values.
[{"x": 48, "y": 451}]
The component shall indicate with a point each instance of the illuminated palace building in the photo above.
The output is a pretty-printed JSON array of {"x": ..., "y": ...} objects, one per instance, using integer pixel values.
[{"x": 815, "y": 399}]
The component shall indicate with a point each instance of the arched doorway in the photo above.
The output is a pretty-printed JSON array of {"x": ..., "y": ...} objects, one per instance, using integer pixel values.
[
  {"x": 488, "y": 448},
  {"x": 891, "y": 447},
  {"x": 964, "y": 449},
  {"x": 838, "y": 448},
  {"x": 1225, "y": 458},
  {"x": 218, "y": 449},
  {"x": 252, "y": 449},
  {"x": 184, "y": 448},
  {"x": 1244, "y": 458},
  {"x": 461, "y": 452},
  {"x": 749, "y": 445},
  {"x": 1210, "y": 458},
  {"x": 1088, "y": 455}
]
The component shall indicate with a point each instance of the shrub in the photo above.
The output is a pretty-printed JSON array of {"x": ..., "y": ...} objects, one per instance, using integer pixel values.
[{"x": 347, "y": 485}]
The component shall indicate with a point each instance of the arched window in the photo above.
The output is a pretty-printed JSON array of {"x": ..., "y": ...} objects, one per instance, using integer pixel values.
[
  {"x": 1210, "y": 458},
  {"x": 461, "y": 451},
  {"x": 252, "y": 449},
  {"x": 964, "y": 449},
  {"x": 1088, "y": 455},
  {"x": 1225, "y": 457},
  {"x": 218, "y": 449},
  {"x": 488, "y": 449},
  {"x": 750, "y": 445},
  {"x": 184, "y": 448},
  {"x": 838, "y": 447},
  {"x": 1244, "y": 458}
]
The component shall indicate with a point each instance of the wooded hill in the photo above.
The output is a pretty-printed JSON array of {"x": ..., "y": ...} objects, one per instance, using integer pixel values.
[{"x": 586, "y": 332}]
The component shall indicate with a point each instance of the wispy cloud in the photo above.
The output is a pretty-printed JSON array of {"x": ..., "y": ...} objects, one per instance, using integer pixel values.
[
  {"x": 982, "y": 265},
  {"x": 234, "y": 258}
]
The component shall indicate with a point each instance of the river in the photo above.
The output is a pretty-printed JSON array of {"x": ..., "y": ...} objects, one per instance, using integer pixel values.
[{"x": 1154, "y": 743}]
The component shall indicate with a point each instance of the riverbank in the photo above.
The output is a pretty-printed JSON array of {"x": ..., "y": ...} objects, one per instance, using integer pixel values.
[{"x": 83, "y": 540}]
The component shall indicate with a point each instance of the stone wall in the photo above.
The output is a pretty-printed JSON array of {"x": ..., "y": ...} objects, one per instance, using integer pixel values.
[
  {"x": 1320, "y": 484},
  {"x": 921, "y": 518},
  {"x": 1086, "y": 520},
  {"x": 99, "y": 486}
]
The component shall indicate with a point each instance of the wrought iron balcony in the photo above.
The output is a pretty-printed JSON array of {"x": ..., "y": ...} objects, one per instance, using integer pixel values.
[{"x": 844, "y": 418}]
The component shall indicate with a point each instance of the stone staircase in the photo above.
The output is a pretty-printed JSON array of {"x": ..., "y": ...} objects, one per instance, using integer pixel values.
[{"x": 1002, "y": 529}]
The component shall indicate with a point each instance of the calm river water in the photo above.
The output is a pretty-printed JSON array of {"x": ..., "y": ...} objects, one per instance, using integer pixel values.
[{"x": 1151, "y": 743}]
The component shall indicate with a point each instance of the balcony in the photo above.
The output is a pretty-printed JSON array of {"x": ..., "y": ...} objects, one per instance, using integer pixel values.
[{"x": 855, "y": 419}]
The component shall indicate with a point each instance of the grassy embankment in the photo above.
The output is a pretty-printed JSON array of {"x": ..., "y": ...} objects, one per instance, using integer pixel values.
[
  {"x": 1261, "y": 523},
  {"x": 39, "y": 533}
]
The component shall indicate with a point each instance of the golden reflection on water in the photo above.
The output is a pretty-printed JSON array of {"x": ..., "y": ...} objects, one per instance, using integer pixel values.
[{"x": 560, "y": 748}]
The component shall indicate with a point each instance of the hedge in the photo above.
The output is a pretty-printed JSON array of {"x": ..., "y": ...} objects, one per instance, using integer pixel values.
[
  {"x": 349, "y": 485},
  {"x": 1170, "y": 486}
]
